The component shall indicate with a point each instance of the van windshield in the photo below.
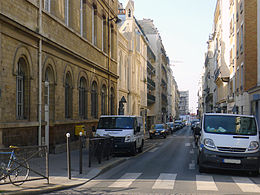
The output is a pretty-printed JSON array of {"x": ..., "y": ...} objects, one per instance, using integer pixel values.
[
  {"x": 116, "y": 123},
  {"x": 234, "y": 125}
]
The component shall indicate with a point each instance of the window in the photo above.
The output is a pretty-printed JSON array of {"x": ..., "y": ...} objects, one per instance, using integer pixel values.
[
  {"x": 94, "y": 25},
  {"x": 104, "y": 34},
  {"x": 94, "y": 100},
  {"x": 49, "y": 92},
  {"x": 112, "y": 102},
  {"x": 129, "y": 13},
  {"x": 68, "y": 96},
  {"x": 237, "y": 79},
  {"x": 66, "y": 12},
  {"x": 81, "y": 17},
  {"x": 137, "y": 40},
  {"x": 237, "y": 44},
  {"x": 47, "y": 5},
  {"x": 104, "y": 100},
  {"x": 242, "y": 76},
  {"x": 241, "y": 39},
  {"x": 22, "y": 91},
  {"x": 83, "y": 98}
]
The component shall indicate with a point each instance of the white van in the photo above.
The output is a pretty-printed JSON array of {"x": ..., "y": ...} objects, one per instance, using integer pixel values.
[
  {"x": 230, "y": 142},
  {"x": 127, "y": 131}
]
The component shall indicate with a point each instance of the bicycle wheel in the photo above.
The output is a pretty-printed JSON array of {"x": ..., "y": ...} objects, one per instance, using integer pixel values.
[{"x": 19, "y": 171}]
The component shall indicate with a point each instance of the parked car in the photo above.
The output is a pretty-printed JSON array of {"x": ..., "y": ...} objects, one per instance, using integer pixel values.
[
  {"x": 171, "y": 127},
  {"x": 158, "y": 130},
  {"x": 178, "y": 124},
  {"x": 229, "y": 141}
]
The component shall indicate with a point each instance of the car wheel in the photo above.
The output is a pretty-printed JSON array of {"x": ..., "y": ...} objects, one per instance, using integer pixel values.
[
  {"x": 134, "y": 150},
  {"x": 254, "y": 173},
  {"x": 164, "y": 136},
  {"x": 141, "y": 147}
]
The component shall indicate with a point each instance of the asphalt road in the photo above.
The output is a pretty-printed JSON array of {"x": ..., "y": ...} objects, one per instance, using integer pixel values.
[{"x": 169, "y": 168}]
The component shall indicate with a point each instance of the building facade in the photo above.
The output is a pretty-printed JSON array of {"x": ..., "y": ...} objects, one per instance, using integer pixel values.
[
  {"x": 184, "y": 103},
  {"x": 161, "y": 67},
  {"x": 58, "y": 68},
  {"x": 135, "y": 77},
  {"x": 234, "y": 41}
]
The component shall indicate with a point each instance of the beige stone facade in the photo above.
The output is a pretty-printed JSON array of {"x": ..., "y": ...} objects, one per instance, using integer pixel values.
[
  {"x": 132, "y": 63},
  {"x": 234, "y": 41},
  {"x": 69, "y": 49}
]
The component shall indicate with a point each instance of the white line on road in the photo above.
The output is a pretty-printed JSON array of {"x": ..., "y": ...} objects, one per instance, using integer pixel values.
[
  {"x": 153, "y": 150},
  {"x": 205, "y": 183},
  {"x": 125, "y": 181},
  {"x": 187, "y": 144},
  {"x": 246, "y": 185},
  {"x": 165, "y": 181}
]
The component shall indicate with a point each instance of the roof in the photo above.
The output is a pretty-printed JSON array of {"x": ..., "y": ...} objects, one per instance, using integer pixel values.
[{"x": 225, "y": 114}]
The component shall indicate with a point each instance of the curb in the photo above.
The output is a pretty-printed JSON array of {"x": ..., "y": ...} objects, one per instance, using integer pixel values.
[{"x": 91, "y": 175}]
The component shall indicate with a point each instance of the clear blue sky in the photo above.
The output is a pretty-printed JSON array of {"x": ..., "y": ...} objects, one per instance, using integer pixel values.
[{"x": 184, "y": 26}]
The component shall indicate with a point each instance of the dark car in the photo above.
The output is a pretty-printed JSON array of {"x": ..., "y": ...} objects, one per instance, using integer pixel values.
[
  {"x": 158, "y": 130},
  {"x": 178, "y": 124}
]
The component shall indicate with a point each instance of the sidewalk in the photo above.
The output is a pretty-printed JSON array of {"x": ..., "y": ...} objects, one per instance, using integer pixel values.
[{"x": 59, "y": 176}]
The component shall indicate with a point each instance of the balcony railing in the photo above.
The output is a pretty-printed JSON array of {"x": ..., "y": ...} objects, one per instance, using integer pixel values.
[
  {"x": 151, "y": 84},
  {"x": 150, "y": 98}
]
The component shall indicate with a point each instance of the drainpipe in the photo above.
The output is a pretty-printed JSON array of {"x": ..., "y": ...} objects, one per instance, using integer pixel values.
[
  {"x": 40, "y": 73},
  {"x": 258, "y": 42}
]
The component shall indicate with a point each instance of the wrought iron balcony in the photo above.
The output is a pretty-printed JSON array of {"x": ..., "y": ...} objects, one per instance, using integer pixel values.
[
  {"x": 150, "y": 98},
  {"x": 151, "y": 83}
]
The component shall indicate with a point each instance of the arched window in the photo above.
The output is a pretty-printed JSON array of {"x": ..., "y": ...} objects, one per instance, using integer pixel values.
[
  {"x": 103, "y": 100},
  {"x": 83, "y": 98},
  {"x": 94, "y": 100},
  {"x": 22, "y": 91},
  {"x": 49, "y": 92},
  {"x": 68, "y": 96},
  {"x": 112, "y": 102},
  {"x": 129, "y": 13}
]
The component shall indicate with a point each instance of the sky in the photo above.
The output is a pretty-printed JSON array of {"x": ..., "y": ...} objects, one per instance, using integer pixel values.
[{"x": 184, "y": 26}]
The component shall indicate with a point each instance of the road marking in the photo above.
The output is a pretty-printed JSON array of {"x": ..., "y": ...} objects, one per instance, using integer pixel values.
[
  {"x": 192, "y": 165},
  {"x": 153, "y": 150},
  {"x": 191, "y": 151},
  {"x": 187, "y": 144},
  {"x": 205, "y": 183},
  {"x": 165, "y": 181},
  {"x": 125, "y": 181},
  {"x": 246, "y": 185}
]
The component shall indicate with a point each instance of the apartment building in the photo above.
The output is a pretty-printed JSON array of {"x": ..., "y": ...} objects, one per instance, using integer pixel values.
[
  {"x": 184, "y": 103},
  {"x": 208, "y": 80},
  {"x": 254, "y": 92},
  {"x": 133, "y": 74},
  {"x": 58, "y": 68},
  {"x": 235, "y": 57},
  {"x": 161, "y": 64}
]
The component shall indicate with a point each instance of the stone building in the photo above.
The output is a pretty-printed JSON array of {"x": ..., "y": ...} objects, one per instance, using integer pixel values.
[
  {"x": 132, "y": 62},
  {"x": 234, "y": 42},
  {"x": 58, "y": 68},
  {"x": 161, "y": 64},
  {"x": 184, "y": 103}
]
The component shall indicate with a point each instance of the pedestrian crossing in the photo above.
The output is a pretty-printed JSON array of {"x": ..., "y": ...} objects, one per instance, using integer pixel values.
[{"x": 168, "y": 181}]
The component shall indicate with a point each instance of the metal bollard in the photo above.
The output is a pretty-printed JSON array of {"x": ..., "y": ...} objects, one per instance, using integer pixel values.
[
  {"x": 68, "y": 155},
  {"x": 80, "y": 152}
]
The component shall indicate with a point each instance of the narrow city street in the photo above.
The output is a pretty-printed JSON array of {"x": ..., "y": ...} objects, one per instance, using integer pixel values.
[{"x": 169, "y": 168}]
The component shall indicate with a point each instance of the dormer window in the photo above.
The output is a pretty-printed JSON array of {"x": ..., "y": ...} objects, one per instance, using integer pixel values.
[{"x": 129, "y": 13}]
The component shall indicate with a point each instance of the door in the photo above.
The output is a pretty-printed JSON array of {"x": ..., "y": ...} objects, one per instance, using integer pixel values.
[{"x": 46, "y": 112}]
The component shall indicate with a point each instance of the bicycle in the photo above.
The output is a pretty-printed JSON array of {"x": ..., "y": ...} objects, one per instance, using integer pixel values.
[{"x": 16, "y": 169}]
